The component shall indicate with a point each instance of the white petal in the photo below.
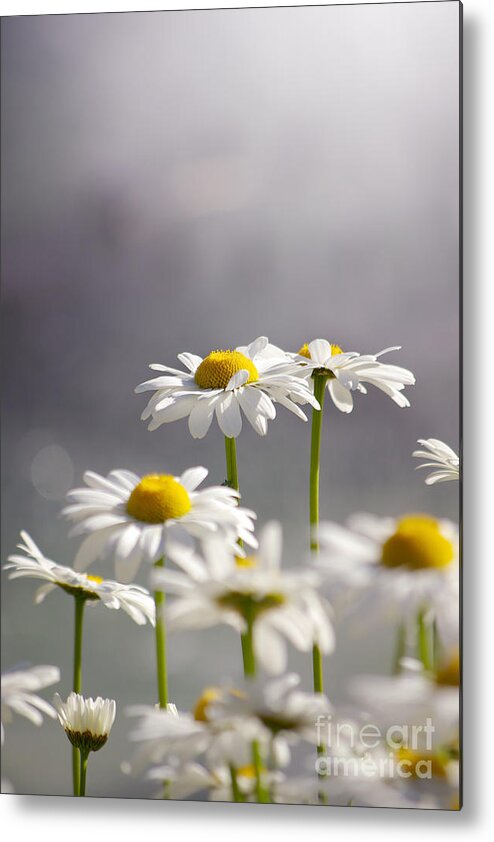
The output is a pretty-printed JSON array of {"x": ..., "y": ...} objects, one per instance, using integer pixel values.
[
  {"x": 228, "y": 415},
  {"x": 342, "y": 398}
]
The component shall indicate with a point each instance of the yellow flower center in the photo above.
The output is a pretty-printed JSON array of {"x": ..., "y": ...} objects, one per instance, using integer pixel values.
[
  {"x": 304, "y": 350},
  {"x": 157, "y": 498},
  {"x": 217, "y": 369},
  {"x": 97, "y": 579},
  {"x": 249, "y": 561},
  {"x": 417, "y": 544},
  {"x": 210, "y": 694},
  {"x": 448, "y": 674},
  {"x": 248, "y": 771},
  {"x": 415, "y": 761}
]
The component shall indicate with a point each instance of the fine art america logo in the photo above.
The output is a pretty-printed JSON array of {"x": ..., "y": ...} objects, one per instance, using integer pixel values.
[{"x": 348, "y": 749}]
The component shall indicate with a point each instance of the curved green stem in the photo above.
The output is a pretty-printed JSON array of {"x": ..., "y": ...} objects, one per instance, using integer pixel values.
[
  {"x": 231, "y": 463},
  {"x": 77, "y": 680},
  {"x": 160, "y": 633},
  {"x": 83, "y": 772}
]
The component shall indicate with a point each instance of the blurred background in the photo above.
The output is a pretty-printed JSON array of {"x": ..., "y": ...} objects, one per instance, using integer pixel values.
[{"x": 188, "y": 181}]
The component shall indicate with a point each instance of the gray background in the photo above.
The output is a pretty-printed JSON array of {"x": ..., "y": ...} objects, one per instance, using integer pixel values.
[{"x": 190, "y": 180}]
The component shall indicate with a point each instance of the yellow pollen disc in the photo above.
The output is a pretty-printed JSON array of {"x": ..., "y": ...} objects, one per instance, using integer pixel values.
[
  {"x": 448, "y": 674},
  {"x": 217, "y": 369},
  {"x": 417, "y": 544},
  {"x": 157, "y": 498},
  {"x": 249, "y": 561},
  {"x": 210, "y": 694},
  {"x": 304, "y": 350},
  {"x": 413, "y": 758},
  {"x": 97, "y": 579},
  {"x": 248, "y": 771}
]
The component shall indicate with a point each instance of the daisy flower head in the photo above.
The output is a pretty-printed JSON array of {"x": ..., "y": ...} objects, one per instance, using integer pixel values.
[
  {"x": 252, "y": 593},
  {"x": 164, "y": 733},
  {"x": 86, "y": 721},
  {"x": 136, "y": 519},
  {"x": 134, "y": 600},
  {"x": 395, "y": 567},
  {"x": 347, "y": 372},
  {"x": 184, "y": 780},
  {"x": 250, "y": 379},
  {"x": 441, "y": 458},
  {"x": 19, "y": 695}
]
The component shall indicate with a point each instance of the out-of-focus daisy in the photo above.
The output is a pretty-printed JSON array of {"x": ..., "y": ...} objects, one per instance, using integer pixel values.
[
  {"x": 347, "y": 372},
  {"x": 134, "y": 600},
  {"x": 183, "y": 781},
  {"x": 138, "y": 519},
  {"x": 394, "y": 567},
  {"x": 439, "y": 456},
  {"x": 250, "y": 379},
  {"x": 165, "y": 733},
  {"x": 285, "y": 713},
  {"x": 252, "y": 595},
  {"x": 19, "y": 693},
  {"x": 417, "y": 714}
]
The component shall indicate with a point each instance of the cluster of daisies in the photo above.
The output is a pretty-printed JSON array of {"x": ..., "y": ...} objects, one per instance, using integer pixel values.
[{"x": 265, "y": 738}]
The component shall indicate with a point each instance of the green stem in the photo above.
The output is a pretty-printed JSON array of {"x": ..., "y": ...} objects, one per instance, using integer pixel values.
[
  {"x": 248, "y": 650},
  {"x": 160, "y": 632},
  {"x": 237, "y": 795},
  {"x": 400, "y": 648},
  {"x": 315, "y": 458},
  {"x": 261, "y": 794},
  {"x": 77, "y": 679},
  {"x": 82, "y": 786},
  {"x": 320, "y": 381},
  {"x": 424, "y": 643},
  {"x": 231, "y": 463}
]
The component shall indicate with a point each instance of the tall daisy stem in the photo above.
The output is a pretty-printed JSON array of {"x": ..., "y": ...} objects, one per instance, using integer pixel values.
[
  {"x": 160, "y": 631},
  {"x": 231, "y": 463},
  {"x": 77, "y": 680},
  {"x": 315, "y": 459},
  {"x": 83, "y": 772},
  {"x": 237, "y": 795},
  {"x": 425, "y": 645}
]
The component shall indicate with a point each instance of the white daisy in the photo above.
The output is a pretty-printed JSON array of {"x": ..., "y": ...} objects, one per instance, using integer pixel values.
[
  {"x": 184, "y": 780},
  {"x": 134, "y": 600},
  {"x": 19, "y": 696},
  {"x": 87, "y": 722},
  {"x": 285, "y": 713},
  {"x": 347, "y": 372},
  {"x": 167, "y": 734},
  {"x": 222, "y": 588},
  {"x": 137, "y": 519},
  {"x": 249, "y": 379},
  {"x": 442, "y": 458},
  {"x": 393, "y": 567}
]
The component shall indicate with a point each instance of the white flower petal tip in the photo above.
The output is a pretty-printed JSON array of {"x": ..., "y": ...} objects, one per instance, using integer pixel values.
[
  {"x": 19, "y": 696},
  {"x": 441, "y": 458}
]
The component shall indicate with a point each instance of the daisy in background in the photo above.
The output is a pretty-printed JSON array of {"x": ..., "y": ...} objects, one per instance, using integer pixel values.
[
  {"x": 180, "y": 781},
  {"x": 248, "y": 381},
  {"x": 134, "y": 600},
  {"x": 140, "y": 519},
  {"x": 266, "y": 605},
  {"x": 19, "y": 695},
  {"x": 87, "y": 724},
  {"x": 347, "y": 372},
  {"x": 439, "y": 456},
  {"x": 417, "y": 714},
  {"x": 85, "y": 590},
  {"x": 404, "y": 568}
]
